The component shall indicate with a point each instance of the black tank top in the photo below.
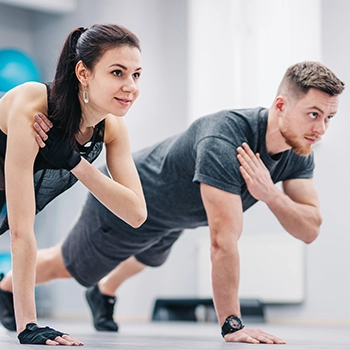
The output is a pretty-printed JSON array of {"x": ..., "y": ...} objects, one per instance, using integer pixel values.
[{"x": 49, "y": 182}]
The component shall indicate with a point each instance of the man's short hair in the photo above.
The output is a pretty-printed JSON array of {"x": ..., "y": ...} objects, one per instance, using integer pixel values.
[{"x": 301, "y": 77}]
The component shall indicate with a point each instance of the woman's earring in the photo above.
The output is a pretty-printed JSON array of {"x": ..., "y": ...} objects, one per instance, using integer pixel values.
[{"x": 85, "y": 95}]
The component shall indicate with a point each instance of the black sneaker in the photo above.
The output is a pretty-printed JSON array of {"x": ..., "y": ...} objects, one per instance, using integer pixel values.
[
  {"x": 7, "y": 311},
  {"x": 102, "y": 307}
]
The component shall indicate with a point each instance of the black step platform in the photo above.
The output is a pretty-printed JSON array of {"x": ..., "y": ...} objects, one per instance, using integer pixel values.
[{"x": 197, "y": 309}]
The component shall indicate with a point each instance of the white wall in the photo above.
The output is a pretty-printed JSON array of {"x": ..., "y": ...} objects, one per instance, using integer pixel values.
[
  {"x": 235, "y": 52},
  {"x": 240, "y": 49},
  {"x": 52, "y": 6},
  {"x": 329, "y": 257},
  {"x": 19, "y": 35}
]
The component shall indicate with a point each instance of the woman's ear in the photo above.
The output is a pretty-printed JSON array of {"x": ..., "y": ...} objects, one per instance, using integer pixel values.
[{"x": 82, "y": 72}]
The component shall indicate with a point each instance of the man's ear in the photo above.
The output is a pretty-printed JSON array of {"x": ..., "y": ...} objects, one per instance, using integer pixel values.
[
  {"x": 82, "y": 72},
  {"x": 279, "y": 103}
]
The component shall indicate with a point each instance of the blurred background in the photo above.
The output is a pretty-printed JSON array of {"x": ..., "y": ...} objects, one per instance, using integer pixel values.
[{"x": 199, "y": 57}]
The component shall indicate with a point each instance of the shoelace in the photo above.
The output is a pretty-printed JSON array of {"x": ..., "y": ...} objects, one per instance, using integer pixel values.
[{"x": 109, "y": 306}]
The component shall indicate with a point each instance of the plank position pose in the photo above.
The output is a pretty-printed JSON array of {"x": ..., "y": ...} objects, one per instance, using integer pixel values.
[
  {"x": 96, "y": 83},
  {"x": 207, "y": 175}
]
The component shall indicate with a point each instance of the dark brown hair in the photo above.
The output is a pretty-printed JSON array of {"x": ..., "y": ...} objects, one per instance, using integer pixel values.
[{"x": 87, "y": 45}]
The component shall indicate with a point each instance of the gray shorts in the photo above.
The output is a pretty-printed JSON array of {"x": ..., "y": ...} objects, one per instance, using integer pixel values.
[{"x": 91, "y": 251}]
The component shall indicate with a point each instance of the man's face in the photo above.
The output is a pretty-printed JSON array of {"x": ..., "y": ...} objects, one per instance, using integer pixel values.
[{"x": 303, "y": 123}]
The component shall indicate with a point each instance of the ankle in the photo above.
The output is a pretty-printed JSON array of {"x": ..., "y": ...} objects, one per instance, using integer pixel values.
[
  {"x": 106, "y": 291},
  {"x": 6, "y": 284}
]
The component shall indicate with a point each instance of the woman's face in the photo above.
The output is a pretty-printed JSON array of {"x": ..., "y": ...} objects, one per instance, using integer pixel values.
[{"x": 114, "y": 83}]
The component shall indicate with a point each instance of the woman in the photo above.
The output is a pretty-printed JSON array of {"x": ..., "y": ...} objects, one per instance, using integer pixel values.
[{"x": 96, "y": 82}]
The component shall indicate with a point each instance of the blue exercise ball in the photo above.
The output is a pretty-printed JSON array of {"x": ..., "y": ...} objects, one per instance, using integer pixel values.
[{"x": 16, "y": 68}]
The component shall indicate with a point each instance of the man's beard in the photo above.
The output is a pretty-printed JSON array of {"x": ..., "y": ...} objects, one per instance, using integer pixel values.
[{"x": 297, "y": 146}]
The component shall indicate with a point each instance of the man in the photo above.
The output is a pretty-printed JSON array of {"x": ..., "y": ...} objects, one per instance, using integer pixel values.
[{"x": 207, "y": 175}]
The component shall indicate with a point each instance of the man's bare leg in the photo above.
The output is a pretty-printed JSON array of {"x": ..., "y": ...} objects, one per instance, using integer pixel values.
[
  {"x": 110, "y": 283},
  {"x": 49, "y": 266}
]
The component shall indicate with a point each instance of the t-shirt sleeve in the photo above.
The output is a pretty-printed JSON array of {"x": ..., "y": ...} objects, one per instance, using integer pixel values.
[
  {"x": 216, "y": 164},
  {"x": 303, "y": 167}
]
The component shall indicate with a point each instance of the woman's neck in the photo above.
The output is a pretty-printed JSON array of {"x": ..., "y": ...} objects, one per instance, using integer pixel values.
[
  {"x": 89, "y": 117},
  {"x": 84, "y": 135}
]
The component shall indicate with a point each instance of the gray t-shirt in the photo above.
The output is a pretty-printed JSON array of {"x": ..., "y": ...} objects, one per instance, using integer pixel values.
[{"x": 172, "y": 170}]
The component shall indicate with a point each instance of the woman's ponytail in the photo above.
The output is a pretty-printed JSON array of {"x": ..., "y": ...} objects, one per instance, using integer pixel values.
[{"x": 66, "y": 112}]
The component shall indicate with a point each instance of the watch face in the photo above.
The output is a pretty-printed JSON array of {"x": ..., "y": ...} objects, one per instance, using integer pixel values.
[{"x": 234, "y": 322}]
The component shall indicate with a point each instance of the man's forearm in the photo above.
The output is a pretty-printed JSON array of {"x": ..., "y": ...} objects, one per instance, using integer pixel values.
[
  {"x": 225, "y": 280},
  {"x": 302, "y": 221}
]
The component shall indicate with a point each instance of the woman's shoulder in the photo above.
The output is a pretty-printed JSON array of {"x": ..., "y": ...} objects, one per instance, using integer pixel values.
[
  {"x": 23, "y": 101},
  {"x": 31, "y": 89},
  {"x": 30, "y": 92},
  {"x": 115, "y": 128}
]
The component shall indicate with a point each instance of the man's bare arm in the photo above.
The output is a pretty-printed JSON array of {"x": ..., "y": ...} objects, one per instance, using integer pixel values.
[
  {"x": 296, "y": 207},
  {"x": 225, "y": 215}
]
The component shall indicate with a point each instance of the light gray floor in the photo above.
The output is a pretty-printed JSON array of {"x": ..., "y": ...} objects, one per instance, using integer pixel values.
[{"x": 184, "y": 335}]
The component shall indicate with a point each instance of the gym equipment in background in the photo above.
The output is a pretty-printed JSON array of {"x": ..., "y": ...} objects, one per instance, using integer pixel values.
[
  {"x": 202, "y": 309},
  {"x": 5, "y": 262},
  {"x": 16, "y": 67}
]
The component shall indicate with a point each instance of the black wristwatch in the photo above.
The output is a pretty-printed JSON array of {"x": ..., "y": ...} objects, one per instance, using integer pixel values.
[{"x": 232, "y": 324}]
